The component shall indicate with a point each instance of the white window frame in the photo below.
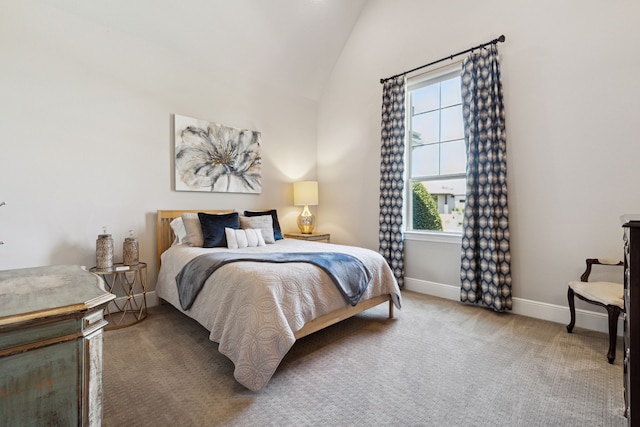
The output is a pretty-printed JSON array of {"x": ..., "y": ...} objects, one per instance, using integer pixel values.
[{"x": 424, "y": 79}]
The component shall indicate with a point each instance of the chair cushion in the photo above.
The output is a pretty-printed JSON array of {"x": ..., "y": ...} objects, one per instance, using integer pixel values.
[{"x": 607, "y": 293}]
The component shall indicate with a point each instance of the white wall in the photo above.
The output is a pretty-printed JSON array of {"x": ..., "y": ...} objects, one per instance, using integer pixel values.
[
  {"x": 85, "y": 120},
  {"x": 569, "y": 74}
]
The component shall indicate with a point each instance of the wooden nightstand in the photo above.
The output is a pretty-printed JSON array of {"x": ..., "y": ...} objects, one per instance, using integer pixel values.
[{"x": 313, "y": 237}]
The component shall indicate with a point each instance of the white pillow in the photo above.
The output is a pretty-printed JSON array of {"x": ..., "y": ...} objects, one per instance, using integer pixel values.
[
  {"x": 263, "y": 222},
  {"x": 193, "y": 229},
  {"x": 248, "y": 238},
  {"x": 178, "y": 230}
]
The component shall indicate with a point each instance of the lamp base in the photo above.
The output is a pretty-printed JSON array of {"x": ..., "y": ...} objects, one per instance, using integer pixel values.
[{"x": 306, "y": 221}]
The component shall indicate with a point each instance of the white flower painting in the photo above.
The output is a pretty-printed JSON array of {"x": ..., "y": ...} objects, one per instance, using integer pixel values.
[{"x": 214, "y": 158}]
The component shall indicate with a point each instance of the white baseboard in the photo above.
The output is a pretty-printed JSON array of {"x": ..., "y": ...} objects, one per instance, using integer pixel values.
[
  {"x": 595, "y": 321},
  {"x": 554, "y": 313},
  {"x": 151, "y": 297}
]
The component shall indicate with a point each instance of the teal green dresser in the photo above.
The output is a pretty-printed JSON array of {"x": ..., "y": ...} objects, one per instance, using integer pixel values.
[{"x": 51, "y": 323}]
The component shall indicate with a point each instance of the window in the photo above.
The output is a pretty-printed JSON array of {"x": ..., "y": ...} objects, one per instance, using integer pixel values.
[{"x": 437, "y": 157}]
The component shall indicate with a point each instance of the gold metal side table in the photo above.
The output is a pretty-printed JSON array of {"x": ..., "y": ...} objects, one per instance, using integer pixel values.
[{"x": 124, "y": 281}]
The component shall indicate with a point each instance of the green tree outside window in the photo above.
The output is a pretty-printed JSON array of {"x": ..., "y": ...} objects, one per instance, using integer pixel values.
[{"x": 425, "y": 209}]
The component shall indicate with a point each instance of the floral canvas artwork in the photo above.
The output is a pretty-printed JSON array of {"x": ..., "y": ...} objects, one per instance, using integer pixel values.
[{"x": 215, "y": 158}]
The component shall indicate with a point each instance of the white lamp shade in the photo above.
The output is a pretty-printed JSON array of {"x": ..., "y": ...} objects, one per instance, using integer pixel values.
[{"x": 305, "y": 193}]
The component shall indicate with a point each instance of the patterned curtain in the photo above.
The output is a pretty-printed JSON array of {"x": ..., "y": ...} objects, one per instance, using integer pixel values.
[
  {"x": 486, "y": 272},
  {"x": 392, "y": 176}
]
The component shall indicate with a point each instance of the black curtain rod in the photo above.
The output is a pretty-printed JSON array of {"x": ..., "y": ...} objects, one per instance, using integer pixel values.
[{"x": 480, "y": 46}]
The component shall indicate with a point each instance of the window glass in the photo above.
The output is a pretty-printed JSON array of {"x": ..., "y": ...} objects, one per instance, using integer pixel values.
[
  {"x": 426, "y": 127},
  {"x": 426, "y": 160},
  {"x": 436, "y": 183},
  {"x": 451, "y": 92},
  {"x": 426, "y": 99},
  {"x": 452, "y": 127},
  {"x": 453, "y": 158}
]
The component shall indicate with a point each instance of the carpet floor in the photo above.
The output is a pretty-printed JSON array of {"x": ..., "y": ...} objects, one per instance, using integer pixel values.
[{"x": 437, "y": 363}]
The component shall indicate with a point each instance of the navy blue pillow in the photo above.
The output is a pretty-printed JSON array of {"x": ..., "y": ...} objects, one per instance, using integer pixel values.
[
  {"x": 213, "y": 226},
  {"x": 277, "y": 232}
]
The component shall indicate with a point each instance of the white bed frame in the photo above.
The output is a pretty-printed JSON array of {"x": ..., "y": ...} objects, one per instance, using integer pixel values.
[{"x": 165, "y": 237}]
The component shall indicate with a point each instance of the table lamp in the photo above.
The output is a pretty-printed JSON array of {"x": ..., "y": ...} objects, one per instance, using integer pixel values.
[{"x": 305, "y": 193}]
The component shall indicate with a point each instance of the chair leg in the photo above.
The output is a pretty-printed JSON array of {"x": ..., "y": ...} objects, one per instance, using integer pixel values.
[
  {"x": 614, "y": 312},
  {"x": 572, "y": 310}
]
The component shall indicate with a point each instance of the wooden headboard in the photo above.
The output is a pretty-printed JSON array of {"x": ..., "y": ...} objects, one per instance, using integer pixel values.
[{"x": 164, "y": 233}]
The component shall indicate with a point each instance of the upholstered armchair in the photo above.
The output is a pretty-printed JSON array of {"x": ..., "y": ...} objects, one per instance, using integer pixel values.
[{"x": 605, "y": 294}]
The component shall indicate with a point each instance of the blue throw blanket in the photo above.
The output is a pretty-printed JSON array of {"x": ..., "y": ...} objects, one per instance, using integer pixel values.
[{"x": 349, "y": 274}]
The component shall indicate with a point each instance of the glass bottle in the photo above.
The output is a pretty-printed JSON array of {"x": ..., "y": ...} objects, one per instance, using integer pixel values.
[
  {"x": 130, "y": 250},
  {"x": 104, "y": 250}
]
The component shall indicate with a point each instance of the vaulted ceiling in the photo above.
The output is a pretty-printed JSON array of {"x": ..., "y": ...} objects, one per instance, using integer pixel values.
[{"x": 290, "y": 43}]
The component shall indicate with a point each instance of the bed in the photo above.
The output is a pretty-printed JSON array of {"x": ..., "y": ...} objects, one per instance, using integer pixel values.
[{"x": 256, "y": 311}]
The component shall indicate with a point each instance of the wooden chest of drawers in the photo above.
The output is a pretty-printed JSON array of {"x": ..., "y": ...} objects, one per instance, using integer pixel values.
[
  {"x": 51, "y": 322},
  {"x": 631, "y": 334}
]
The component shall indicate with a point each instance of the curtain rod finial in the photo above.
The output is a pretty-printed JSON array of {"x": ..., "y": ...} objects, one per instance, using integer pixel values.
[{"x": 501, "y": 38}]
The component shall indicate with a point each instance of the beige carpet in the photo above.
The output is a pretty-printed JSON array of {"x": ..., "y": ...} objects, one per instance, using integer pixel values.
[{"x": 438, "y": 363}]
